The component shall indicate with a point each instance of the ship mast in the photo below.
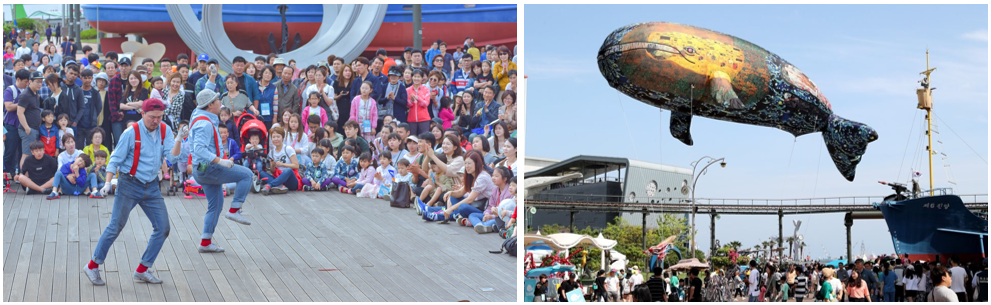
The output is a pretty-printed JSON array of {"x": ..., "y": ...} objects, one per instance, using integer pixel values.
[{"x": 925, "y": 103}]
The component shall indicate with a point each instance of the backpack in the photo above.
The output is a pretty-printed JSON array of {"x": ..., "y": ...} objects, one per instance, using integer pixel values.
[{"x": 510, "y": 245}]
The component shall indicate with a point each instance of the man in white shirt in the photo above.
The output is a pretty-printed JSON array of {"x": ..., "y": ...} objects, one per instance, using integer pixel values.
[
  {"x": 958, "y": 276},
  {"x": 753, "y": 282}
]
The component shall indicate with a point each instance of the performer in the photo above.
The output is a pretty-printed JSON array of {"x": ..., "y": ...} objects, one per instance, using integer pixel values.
[
  {"x": 212, "y": 171},
  {"x": 138, "y": 158}
]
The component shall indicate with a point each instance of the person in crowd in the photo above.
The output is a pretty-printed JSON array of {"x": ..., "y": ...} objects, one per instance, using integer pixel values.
[
  {"x": 483, "y": 77},
  {"x": 499, "y": 134},
  {"x": 507, "y": 113},
  {"x": 266, "y": 95},
  {"x": 12, "y": 143},
  {"x": 416, "y": 62},
  {"x": 347, "y": 169},
  {"x": 319, "y": 173},
  {"x": 96, "y": 137},
  {"x": 487, "y": 110},
  {"x": 856, "y": 288},
  {"x": 285, "y": 92},
  {"x": 29, "y": 116},
  {"x": 418, "y": 103},
  {"x": 343, "y": 87},
  {"x": 236, "y": 99},
  {"x": 71, "y": 178},
  {"x": 509, "y": 151},
  {"x": 365, "y": 111},
  {"x": 502, "y": 67},
  {"x": 211, "y": 80},
  {"x": 49, "y": 134},
  {"x": 393, "y": 101},
  {"x": 284, "y": 160},
  {"x": 485, "y": 221},
  {"x": 351, "y": 129},
  {"x": 474, "y": 194},
  {"x": 38, "y": 171},
  {"x": 612, "y": 284},
  {"x": 297, "y": 139},
  {"x": 462, "y": 79},
  {"x": 959, "y": 276},
  {"x": 479, "y": 143},
  {"x": 942, "y": 280},
  {"x": 202, "y": 69},
  {"x": 98, "y": 172},
  {"x": 245, "y": 81}
]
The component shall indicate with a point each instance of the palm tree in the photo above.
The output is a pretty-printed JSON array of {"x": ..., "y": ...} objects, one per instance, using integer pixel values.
[{"x": 735, "y": 245}]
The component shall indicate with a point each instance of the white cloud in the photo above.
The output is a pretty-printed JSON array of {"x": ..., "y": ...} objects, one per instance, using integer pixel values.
[{"x": 978, "y": 35}]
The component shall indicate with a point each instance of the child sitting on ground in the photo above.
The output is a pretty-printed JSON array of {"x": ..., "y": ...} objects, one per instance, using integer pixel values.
[
  {"x": 402, "y": 175},
  {"x": 37, "y": 170},
  {"x": 438, "y": 183},
  {"x": 63, "y": 127},
  {"x": 317, "y": 174},
  {"x": 507, "y": 208},
  {"x": 328, "y": 148},
  {"x": 71, "y": 178},
  {"x": 346, "y": 170},
  {"x": 70, "y": 153},
  {"x": 366, "y": 174},
  {"x": 382, "y": 180},
  {"x": 97, "y": 174}
]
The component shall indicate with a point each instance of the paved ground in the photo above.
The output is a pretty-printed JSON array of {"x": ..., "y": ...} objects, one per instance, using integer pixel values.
[{"x": 312, "y": 246}]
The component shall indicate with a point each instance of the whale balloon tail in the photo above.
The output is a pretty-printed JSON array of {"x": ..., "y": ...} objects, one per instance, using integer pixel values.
[{"x": 847, "y": 141}]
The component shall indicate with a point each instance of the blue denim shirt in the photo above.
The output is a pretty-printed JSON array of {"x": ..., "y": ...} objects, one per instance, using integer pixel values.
[
  {"x": 153, "y": 150},
  {"x": 203, "y": 133}
]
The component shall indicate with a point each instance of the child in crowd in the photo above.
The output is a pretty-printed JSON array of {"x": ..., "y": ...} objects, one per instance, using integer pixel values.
[
  {"x": 157, "y": 85},
  {"x": 95, "y": 143},
  {"x": 412, "y": 152},
  {"x": 63, "y": 127},
  {"x": 297, "y": 140},
  {"x": 317, "y": 176},
  {"x": 254, "y": 144},
  {"x": 70, "y": 152},
  {"x": 314, "y": 109},
  {"x": 381, "y": 141},
  {"x": 403, "y": 175},
  {"x": 384, "y": 176},
  {"x": 366, "y": 174},
  {"x": 71, "y": 179},
  {"x": 49, "y": 133},
  {"x": 228, "y": 145},
  {"x": 446, "y": 114},
  {"x": 438, "y": 183},
  {"x": 329, "y": 149},
  {"x": 393, "y": 141},
  {"x": 312, "y": 124},
  {"x": 507, "y": 208},
  {"x": 365, "y": 112},
  {"x": 335, "y": 137},
  {"x": 346, "y": 170},
  {"x": 97, "y": 174},
  {"x": 317, "y": 135},
  {"x": 227, "y": 120}
]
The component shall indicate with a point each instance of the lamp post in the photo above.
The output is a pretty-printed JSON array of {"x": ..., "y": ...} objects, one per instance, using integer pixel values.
[{"x": 695, "y": 180}]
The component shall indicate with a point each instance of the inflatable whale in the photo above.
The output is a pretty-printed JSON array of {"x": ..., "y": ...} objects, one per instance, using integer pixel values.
[{"x": 694, "y": 71}]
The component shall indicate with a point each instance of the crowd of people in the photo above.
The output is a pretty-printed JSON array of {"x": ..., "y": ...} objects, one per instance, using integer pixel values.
[
  {"x": 889, "y": 280},
  {"x": 445, "y": 128}
]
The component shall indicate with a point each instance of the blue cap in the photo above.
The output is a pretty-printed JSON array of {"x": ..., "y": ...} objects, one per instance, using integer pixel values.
[
  {"x": 203, "y": 57},
  {"x": 84, "y": 62}
]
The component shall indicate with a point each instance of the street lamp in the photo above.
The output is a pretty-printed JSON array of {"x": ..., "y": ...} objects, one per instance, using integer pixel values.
[{"x": 722, "y": 163}]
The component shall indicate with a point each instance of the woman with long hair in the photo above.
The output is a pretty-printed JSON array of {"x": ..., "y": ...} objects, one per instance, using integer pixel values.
[
  {"x": 176, "y": 97},
  {"x": 342, "y": 93},
  {"x": 502, "y": 67},
  {"x": 509, "y": 151},
  {"x": 471, "y": 197},
  {"x": 856, "y": 288},
  {"x": 133, "y": 98},
  {"x": 500, "y": 132},
  {"x": 297, "y": 139},
  {"x": 484, "y": 222}
]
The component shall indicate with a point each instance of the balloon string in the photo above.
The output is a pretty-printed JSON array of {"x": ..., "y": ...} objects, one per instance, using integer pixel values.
[{"x": 627, "y": 121}]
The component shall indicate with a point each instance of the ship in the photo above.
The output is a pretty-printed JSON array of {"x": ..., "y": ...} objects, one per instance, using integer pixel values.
[
  {"x": 933, "y": 225},
  {"x": 248, "y": 25}
]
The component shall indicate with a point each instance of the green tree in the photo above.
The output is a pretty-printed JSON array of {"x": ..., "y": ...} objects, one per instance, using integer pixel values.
[{"x": 735, "y": 245}]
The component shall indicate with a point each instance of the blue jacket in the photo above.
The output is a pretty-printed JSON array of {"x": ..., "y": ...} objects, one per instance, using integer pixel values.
[
  {"x": 395, "y": 107},
  {"x": 484, "y": 115},
  {"x": 251, "y": 87},
  {"x": 218, "y": 85},
  {"x": 461, "y": 81},
  {"x": 356, "y": 89},
  {"x": 67, "y": 169},
  {"x": 91, "y": 110},
  {"x": 233, "y": 151},
  {"x": 265, "y": 99}
]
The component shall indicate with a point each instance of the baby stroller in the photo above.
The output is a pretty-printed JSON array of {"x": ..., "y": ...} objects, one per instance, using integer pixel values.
[{"x": 255, "y": 159}]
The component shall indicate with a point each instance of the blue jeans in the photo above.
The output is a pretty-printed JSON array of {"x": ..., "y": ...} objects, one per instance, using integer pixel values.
[
  {"x": 67, "y": 187},
  {"x": 476, "y": 219},
  {"x": 357, "y": 188},
  {"x": 94, "y": 182},
  {"x": 131, "y": 192},
  {"x": 464, "y": 209},
  {"x": 118, "y": 129},
  {"x": 287, "y": 178},
  {"x": 752, "y": 299},
  {"x": 212, "y": 180},
  {"x": 12, "y": 150},
  {"x": 889, "y": 296}
]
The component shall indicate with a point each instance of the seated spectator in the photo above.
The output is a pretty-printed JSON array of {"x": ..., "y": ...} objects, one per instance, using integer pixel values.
[
  {"x": 471, "y": 198},
  {"x": 96, "y": 143},
  {"x": 351, "y": 129},
  {"x": 285, "y": 173},
  {"x": 70, "y": 153},
  {"x": 497, "y": 133},
  {"x": 366, "y": 174},
  {"x": 318, "y": 174},
  {"x": 437, "y": 185},
  {"x": 509, "y": 150},
  {"x": 479, "y": 143},
  {"x": 346, "y": 170},
  {"x": 485, "y": 221},
  {"x": 71, "y": 179},
  {"x": 38, "y": 170},
  {"x": 97, "y": 174}
]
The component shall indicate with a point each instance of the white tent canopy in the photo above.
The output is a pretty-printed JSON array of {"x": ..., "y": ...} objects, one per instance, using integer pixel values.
[{"x": 564, "y": 241}]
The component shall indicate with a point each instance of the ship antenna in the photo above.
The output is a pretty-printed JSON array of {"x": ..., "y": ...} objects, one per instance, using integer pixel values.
[{"x": 925, "y": 103}]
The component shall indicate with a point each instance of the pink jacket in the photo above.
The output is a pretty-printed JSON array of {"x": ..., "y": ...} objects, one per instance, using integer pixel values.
[
  {"x": 366, "y": 176},
  {"x": 495, "y": 199},
  {"x": 447, "y": 116},
  {"x": 306, "y": 114},
  {"x": 418, "y": 111},
  {"x": 373, "y": 111}
]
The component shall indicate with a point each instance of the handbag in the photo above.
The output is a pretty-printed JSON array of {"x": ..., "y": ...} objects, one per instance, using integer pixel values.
[
  {"x": 480, "y": 204},
  {"x": 399, "y": 197}
]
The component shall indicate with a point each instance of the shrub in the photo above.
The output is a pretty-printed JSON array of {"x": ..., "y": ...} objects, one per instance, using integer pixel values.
[{"x": 88, "y": 34}]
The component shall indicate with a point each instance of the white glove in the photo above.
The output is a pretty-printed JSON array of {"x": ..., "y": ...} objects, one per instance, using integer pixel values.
[
  {"x": 226, "y": 163},
  {"x": 183, "y": 133},
  {"x": 106, "y": 189}
]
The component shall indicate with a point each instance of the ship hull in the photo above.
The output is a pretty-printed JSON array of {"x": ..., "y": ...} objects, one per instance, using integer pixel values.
[
  {"x": 935, "y": 228},
  {"x": 248, "y": 25}
]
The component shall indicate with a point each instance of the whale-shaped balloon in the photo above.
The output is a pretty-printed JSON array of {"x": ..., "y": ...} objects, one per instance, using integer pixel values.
[{"x": 694, "y": 71}]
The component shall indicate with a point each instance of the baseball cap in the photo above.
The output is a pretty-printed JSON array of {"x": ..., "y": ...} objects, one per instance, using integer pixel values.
[
  {"x": 124, "y": 61},
  {"x": 141, "y": 69},
  {"x": 279, "y": 61},
  {"x": 153, "y": 104},
  {"x": 413, "y": 138},
  {"x": 203, "y": 57},
  {"x": 408, "y": 49},
  {"x": 395, "y": 70},
  {"x": 37, "y": 75},
  {"x": 212, "y": 61}
]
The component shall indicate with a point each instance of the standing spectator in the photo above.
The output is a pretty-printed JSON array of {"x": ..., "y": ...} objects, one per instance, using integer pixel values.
[
  {"x": 361, "y": 75},
  {"x": 58, "y": 33},
  {"x": 69, "y": 48},
  {"x": 91, "y": 107},
  {"x": 266, "y": 87},
  {"x": 461, "y": 79},
  {"x": 416, "y": 61},
  {"x": 343, "y": 87},
  {"x": 52, "y": 52},
  {"x": 418, "y": 102},
  {"x": 71, "y": 101},
  {"x": 392, "y": 101},
  {"x": 387, "y": 62},
  {"x": 114, "y": 95},
  {"x": 612, "y": 287},
  {"x": 285, "y": 91},
  {"x": 212, "y": 80},
  {"x": 29, "y": 115},
  {"x": 958, "y": 275},
  {"x": 48, "y": 33},
  {"x": 102, "y": 116},
  {"x": 244, "y": 81},
  {"x": 11, "y": 122},
  {"x": 473, "y": 51},
  {"x": 802, "y": 284},
  {"x": 856, "y": 288},
  {"x": 434, "y": 50},
  {"x": 540, "y": 291},
  {"x": 202, "y": 69},
  {"x": 942, "y": 280}
]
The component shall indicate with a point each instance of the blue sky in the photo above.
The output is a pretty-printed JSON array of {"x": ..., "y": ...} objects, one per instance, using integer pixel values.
[{"x": 865, "y": 59}]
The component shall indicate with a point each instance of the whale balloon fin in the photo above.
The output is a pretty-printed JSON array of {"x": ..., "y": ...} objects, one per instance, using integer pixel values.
[
  {"x": 846, "y": 142},
  {"x": 681, "y": 124},
  {"x": 721, "y": 91}
]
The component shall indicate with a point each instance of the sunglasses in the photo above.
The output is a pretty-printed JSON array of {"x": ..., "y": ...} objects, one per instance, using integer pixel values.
[{"x": 433, "y": 78}]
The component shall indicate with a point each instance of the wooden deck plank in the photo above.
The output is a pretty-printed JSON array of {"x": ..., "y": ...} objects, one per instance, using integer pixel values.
[{"x": 372, "y": 253}]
